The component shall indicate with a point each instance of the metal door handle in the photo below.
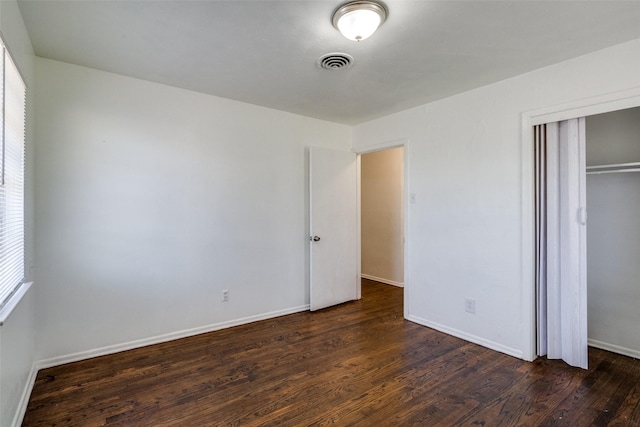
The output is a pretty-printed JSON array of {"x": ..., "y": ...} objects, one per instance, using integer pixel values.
[{"x": 315, "y": 238}]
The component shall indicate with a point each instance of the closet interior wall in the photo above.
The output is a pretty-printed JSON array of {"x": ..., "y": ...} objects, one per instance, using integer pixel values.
[{"x": 613, "y": 231}]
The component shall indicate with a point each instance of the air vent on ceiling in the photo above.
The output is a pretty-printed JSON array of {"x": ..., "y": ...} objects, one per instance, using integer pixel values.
[{"x": 335, "y": 61}]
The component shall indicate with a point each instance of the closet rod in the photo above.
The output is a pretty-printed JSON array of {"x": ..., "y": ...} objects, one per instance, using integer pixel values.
[
  {"x": 599, "y": 172},
  {"x": 615, "y": 165}
]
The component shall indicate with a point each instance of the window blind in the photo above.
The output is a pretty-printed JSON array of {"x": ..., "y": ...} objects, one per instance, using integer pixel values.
[{"x": 12, "y": 134}]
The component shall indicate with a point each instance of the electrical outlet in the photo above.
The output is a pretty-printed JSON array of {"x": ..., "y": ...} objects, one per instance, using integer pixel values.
[
  {"x": 225, "y": 295},
  {"x": 470, "y": 305}
]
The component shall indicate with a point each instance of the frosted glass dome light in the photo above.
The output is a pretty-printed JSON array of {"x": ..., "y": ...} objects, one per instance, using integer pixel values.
[{"x": 358, "y": 20}]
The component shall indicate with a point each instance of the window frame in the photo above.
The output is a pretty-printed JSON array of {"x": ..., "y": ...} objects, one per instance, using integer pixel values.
[{"x": 13, "y": 105}]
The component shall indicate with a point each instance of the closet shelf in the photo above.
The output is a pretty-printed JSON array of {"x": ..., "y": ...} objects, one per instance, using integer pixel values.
[{"x": 613, "y": 168}]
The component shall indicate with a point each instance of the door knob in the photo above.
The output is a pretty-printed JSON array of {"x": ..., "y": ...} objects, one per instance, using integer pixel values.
[{"x": 315, "y": 238}]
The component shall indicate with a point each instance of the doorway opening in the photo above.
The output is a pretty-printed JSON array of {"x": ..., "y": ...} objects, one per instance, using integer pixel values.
[{"x": 382, "y": 217}]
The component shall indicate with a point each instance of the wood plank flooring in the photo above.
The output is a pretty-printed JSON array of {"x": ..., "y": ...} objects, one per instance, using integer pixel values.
[{"x": 358, "y": 364}]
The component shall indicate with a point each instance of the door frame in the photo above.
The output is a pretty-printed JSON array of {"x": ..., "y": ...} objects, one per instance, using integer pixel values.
[
  {"x": 397, "y": 143},
  {"x": 607, "y": 103}
]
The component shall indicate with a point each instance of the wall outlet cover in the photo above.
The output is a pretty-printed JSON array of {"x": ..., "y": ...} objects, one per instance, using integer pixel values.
[{"x": 470, "y": 305}]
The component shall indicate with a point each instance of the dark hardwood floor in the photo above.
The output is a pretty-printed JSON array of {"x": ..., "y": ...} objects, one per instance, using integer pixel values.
[{"x": 356, "y": 364}]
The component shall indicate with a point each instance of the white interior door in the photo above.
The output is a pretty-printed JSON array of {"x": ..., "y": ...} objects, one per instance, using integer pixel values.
[{"x": 333, "y": 224}]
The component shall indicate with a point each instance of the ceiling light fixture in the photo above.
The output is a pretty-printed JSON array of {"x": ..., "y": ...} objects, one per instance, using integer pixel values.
[{"x": 358, "y": 20}]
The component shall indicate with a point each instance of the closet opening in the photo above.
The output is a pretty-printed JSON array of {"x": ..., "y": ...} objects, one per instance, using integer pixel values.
[
  {"x": 613, "y": 231},
  {"x": 587, "y": 235}
]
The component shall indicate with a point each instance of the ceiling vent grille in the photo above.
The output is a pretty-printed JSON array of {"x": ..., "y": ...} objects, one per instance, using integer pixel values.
[{"x": 335, "y": 61}]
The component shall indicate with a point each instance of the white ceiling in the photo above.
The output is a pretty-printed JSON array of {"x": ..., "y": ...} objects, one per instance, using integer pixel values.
[{"x": 264, "y": 52}]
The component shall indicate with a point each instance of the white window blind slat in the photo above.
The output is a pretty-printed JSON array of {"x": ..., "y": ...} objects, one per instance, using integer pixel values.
[{"x": 12, "y": 137}]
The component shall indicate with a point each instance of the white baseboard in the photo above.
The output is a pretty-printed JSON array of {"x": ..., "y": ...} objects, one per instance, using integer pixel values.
[
  {"x": 24, "y": 398},
  {"x": 74, "y": 357},
  {"x": 381, "y": 280},
  {"x": 468, "y": 337},
  {"x": 614, "y": 348}
]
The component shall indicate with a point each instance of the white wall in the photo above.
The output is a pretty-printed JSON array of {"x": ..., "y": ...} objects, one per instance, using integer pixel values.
[
  {"x": 382, "y": 173},
  {"x": 613, "y": 233},
  {"x": 17, "y": 334},
  {"x": 152, "y": 200},
  {"x": 464, "y": 237}
]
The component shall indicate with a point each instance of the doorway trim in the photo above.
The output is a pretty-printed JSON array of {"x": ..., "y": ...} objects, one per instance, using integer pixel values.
[
  {"x": 606, "y": 103},
  {"x": 396, "y": 143}
]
